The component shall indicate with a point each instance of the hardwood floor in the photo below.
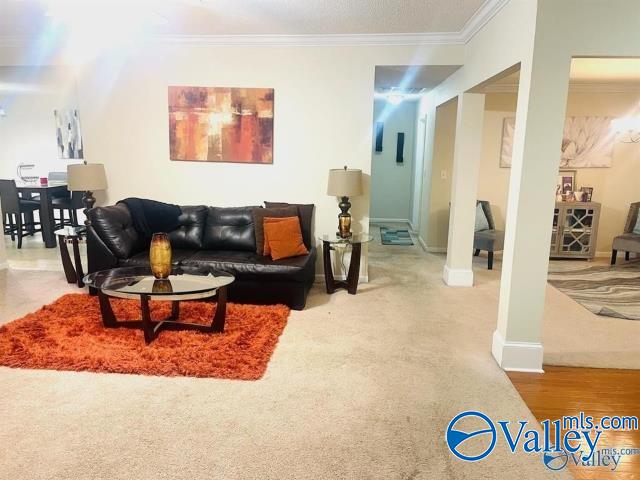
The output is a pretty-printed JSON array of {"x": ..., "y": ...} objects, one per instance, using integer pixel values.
[{"x": 563, "y": 391}]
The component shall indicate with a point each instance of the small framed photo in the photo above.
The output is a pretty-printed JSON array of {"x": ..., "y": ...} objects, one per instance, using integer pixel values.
[
  {"x": 587, "y": 193},
  {"x": 566, "y": 182}
]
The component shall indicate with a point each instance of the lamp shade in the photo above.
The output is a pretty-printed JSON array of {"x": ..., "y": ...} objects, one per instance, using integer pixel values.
[
  {"x": 344, "y": 182},
  {"x": 86, "y": 177}
]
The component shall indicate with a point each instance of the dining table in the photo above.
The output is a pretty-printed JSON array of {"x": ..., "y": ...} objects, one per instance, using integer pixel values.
[{"x": 45, "y": 193}]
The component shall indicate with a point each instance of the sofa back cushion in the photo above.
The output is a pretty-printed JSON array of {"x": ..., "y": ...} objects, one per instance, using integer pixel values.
[
  {"x": 305, "y": 213},
  {"x": 258, "y": 219},
  {"x": 114, "y": 226},
  {"x": 229, "y": 229},
  {"x": 190, "y": 233}
]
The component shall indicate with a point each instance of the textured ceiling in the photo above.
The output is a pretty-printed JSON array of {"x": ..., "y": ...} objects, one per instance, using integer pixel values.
[
  {"x": 409, "y": 77},
  {"x": 256, "y": 17}
]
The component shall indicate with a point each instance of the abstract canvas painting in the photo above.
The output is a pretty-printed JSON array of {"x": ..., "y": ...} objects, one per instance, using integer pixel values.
[
  {"x": 68, "y": 133},
  {"x": 587, "y": 142},
  {"x": 221, "y": 124}
]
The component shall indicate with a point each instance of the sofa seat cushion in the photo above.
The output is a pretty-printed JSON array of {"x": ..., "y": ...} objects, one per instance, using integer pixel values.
[
  {"x": 142, "y": 259},
  {"x": 251, "y": 266}
]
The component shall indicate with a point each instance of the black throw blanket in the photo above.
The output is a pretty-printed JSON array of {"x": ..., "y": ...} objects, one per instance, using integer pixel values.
[{"x": 151, "y": 217}]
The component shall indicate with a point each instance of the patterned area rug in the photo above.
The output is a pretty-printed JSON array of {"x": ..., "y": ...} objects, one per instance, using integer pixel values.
[
  {"x": 612, "y": 291},
  {"x": 400, "y": 236},
  {"x": 68, "y": 335}
]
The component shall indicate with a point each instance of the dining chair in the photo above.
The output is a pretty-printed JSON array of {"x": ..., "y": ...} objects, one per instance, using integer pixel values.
[
  {"x": 71, "y": 203},
  {"x": 13, "y": 207}
]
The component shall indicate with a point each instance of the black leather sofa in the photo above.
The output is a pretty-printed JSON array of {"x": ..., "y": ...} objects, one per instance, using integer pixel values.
[{"x": 222, "y": 238}]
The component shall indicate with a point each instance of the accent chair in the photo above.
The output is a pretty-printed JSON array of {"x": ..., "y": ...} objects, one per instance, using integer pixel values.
[
  {"x": 629, "y": 241},
  {"x": 489, "y": 240}
]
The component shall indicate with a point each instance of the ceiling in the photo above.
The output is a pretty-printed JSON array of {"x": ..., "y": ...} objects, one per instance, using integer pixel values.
[
  {"x": 587, "y": 71},
  {"x": 596, "y": 70},
  {"x": 412, "y": 77},
  {"x": 26, "y": 18}
]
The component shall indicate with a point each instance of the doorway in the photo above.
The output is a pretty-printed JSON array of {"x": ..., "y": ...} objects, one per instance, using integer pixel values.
[{"x": 397, "y": 156}]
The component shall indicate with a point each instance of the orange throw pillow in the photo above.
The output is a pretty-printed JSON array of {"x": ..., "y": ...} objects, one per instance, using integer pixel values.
[
  {"x": 283, "y": 238},
  {"x": 266, "y": 249}
]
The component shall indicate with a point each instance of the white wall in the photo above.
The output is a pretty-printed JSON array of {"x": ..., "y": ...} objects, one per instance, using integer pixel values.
[
  {"x": 391, "y": 182},
  {"x": 615, "y": 188},
  {"x": 419, "y": 167},
  {"x": 28, "y": 131},
  {"x": 442, "y": 166},
  {"x": 323, "y": 112}
]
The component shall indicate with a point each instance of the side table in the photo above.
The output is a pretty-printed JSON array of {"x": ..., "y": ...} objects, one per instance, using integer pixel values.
[
  {"x": 71, "y": 235},
  {"x": 333, "y": 242}
]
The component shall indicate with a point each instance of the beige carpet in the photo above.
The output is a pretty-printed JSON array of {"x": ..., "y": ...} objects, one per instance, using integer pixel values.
[
  {"x": 359, "y": 387},
  {"x": 572, "y": 335}
]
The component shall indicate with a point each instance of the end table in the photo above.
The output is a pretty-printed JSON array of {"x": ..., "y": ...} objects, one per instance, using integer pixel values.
[
  {"x": 71, "y": 235},
  {"x": 333, "y": 242}
]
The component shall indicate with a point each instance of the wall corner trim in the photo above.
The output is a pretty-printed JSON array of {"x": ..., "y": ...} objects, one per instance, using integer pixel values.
[
  {"x": 457, "y": 277},
  {"x": 517, "y": 356}
]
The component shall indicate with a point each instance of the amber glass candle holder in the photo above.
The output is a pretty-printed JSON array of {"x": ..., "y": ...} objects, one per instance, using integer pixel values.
[{"x": 160, "y": 255}]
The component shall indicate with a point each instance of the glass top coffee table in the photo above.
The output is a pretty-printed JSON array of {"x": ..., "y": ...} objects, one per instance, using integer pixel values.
[{"x": 138, "y": 283}]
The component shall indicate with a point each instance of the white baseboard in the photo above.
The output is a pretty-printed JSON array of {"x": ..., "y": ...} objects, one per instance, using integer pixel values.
[
  {"x": 390, "y": 220},
  {"x": 436, "y": 249},
  {"x": 457, "y": 277},
  {"x": 4, "y": 265},
  {"x": 517, "y": 356},
  {"x": 361, "y": 279}
]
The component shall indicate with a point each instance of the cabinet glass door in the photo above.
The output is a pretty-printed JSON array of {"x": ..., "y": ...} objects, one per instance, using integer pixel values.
[
  {"x": 577, "y": 230},
  {"x": 554, "y": 232}
]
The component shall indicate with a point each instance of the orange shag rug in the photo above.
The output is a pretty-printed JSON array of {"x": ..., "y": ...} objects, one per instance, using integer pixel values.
[{"x": 68, "y": 335}]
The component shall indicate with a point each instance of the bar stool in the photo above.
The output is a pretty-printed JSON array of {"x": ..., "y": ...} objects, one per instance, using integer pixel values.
[
  {"x": 72, "y": 203},
  {"x": 13, "y": 208}
]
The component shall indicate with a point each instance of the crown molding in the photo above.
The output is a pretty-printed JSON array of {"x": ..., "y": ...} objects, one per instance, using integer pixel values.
[
  {"x": 483, "y": 15},
  {"x": 332, "y": 40},
  {"x": 478, "y": 20}
]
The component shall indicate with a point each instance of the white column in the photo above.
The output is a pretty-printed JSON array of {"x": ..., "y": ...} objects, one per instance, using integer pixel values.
[
  {"x": 464, "y": 188},
  {"x": 540, "y": 115}
]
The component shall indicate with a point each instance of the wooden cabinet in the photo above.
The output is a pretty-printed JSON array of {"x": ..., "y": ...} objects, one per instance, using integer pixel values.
[{"x": 575, "y": 230}]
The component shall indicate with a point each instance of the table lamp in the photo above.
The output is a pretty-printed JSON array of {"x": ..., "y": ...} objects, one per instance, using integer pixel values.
[
  {"x": 87, "y": 178},
  {"x": 344, "y": 183}
]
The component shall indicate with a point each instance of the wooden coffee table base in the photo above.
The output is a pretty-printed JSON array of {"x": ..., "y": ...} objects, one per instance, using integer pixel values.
[{"x": 152, "y": 328}]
